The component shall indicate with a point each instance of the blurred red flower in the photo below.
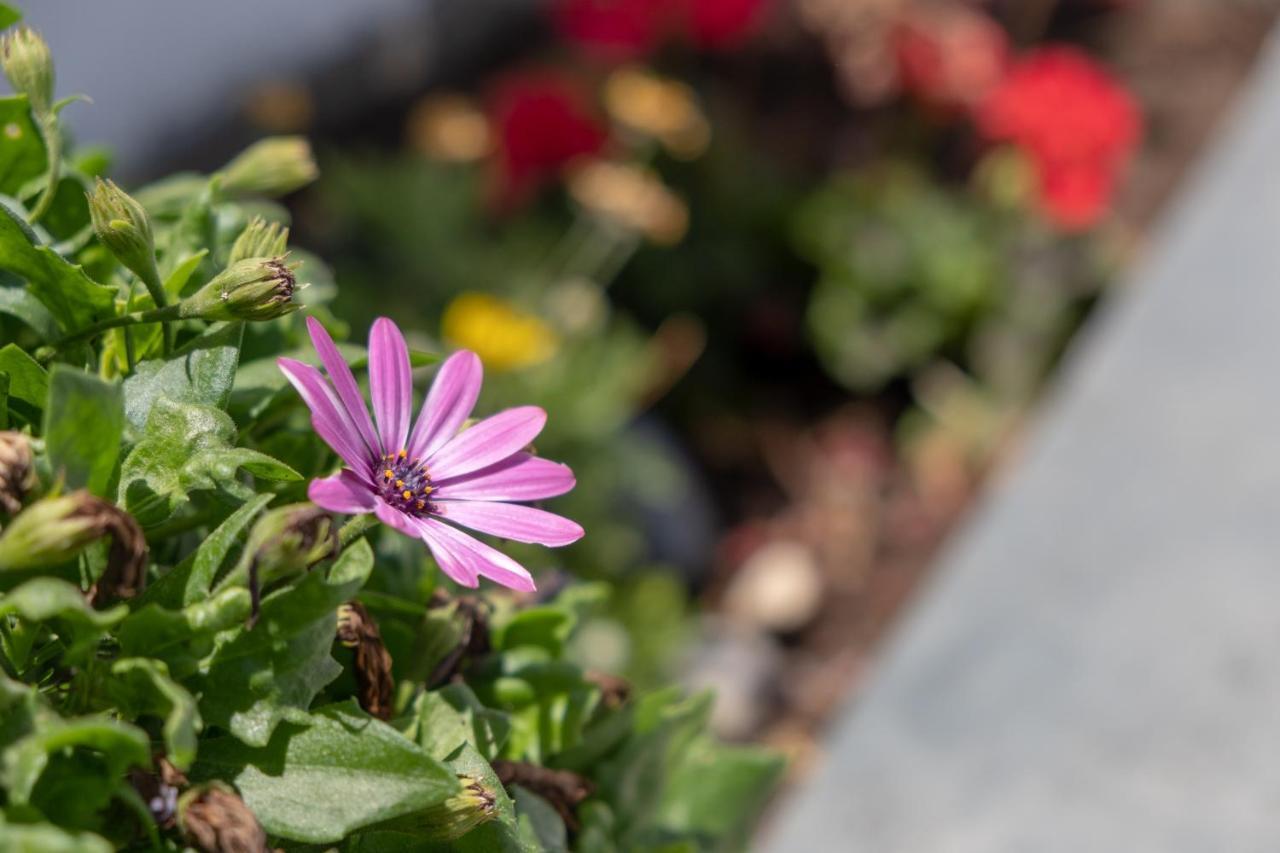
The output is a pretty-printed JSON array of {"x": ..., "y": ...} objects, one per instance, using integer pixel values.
[
  {"x": 1077, "y": 124},
  {"x": 618, "y": 30},
  {"x": 541, "y": 124},
  {"x": 950, "y": 56}
]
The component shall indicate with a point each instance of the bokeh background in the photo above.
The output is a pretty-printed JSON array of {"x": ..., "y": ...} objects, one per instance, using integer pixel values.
[{"x": 791, "y": 275}]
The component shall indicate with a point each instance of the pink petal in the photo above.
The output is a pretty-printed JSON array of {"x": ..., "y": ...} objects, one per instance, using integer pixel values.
[
  {"x": 521, "y": 477},
  {"x": 390, "y": 383},
  {"x": 449, "y": 402},
  {"x": 394, "y": 518},
  {"x": 327, "y": 414},
  {"x": 453, "y": 562},
  {"x": 343, "y": 492},
  {"x": 345, "y": 384},
  {"x": 512, "y": 521},
  {"x": 479, "y": 557},
  {"x": 491, "y": 440}
]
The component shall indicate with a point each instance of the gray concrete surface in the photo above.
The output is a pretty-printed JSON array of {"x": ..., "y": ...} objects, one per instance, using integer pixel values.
[{"x": 1097, "y": 664}]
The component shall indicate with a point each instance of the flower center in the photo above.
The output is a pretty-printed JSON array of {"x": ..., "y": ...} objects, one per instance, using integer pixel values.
[{"x": 405, "y": 484}]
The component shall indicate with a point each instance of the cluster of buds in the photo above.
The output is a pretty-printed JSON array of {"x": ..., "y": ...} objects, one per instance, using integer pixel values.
[
  {"x": 275, "y": 166},
  {"x": 17, "y": 471},
  {"x": 357, "y": 630},
  {"x": 249, "y": 289},
  {"x": 56, "y": 529},
  {"x": 124, "y": 228},
  {"x": 29, "y": 67}
]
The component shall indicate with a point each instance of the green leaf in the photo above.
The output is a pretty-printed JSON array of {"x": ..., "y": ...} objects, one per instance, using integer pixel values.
[
  {"x": 143, "y": 686},
  {"x": 182, "y": 272},
  {"x": 443, "y": 720},
  {"x": 73, "y": 298},
  {"x": 83, "y": 426},
  {"x": 62, "y": 604},
  {"x": 255, "y": 676},
  {"x": 121, "y": 745},
  {"x": 9, "y": 15},
  {"x": 718, "y": 791},
  {"x": 201, "y": 372},
  {"x": 187, "y": 448},
  {"x": 321, "y": 781},
  {"x": 22, "y": 155},
  {"x": 16, "y": 301},
  {"x": 181, "y": 637},
  {"x": 28, "y": 381},
  {"x": 47, "y": 838},
  {"x": 539, "y": 819}
]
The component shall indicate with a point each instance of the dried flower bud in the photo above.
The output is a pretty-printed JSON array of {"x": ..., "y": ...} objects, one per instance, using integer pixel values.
[
  {"x": 251, "y": 289},
  {"x": 453, "y": 818},
  {"x": 657, "y": 107},
  {"x": 17, "y": 471},
  {"x": 292, "y": 539},
  {"x": 259, "y": 239},
  {"x": 563, "y": 789},
  {"x": 274, "y": 166},
  {"x": 214, "y": 819},
  {"x": 53, "y": 530},
  {"x": 358, "y": 630},
  {"x": 124, "y": 227},
  {"x": 631, "y": 198},
  {"x": 29, "y": 67}
]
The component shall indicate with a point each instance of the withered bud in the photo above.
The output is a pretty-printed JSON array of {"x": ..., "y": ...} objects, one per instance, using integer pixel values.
[
  {"x": 29, "y": 66},
  {"x": 17, "y": 471},
  {"x": 274, "y": 166},
  {"x": 358, "y": 630},
  {"x": 259, "y": 239},
  {"x": 251, "y": 289},
  {"x": 214, "y": 819},
  {"x": 53, "y": 530},
  {"x": 563, "y": 789},
  {"x": 472, "y": 614}
]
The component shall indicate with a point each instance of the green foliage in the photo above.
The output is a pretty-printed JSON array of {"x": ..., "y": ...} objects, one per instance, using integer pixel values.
[{"x": 158, "y": 643}]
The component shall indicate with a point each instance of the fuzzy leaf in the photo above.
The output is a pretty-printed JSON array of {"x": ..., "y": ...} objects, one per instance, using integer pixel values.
[
  {"x": 83, "y": 426},
  {"x": 17, "y": 301},
  {"x": 254, "y": 676},
  {"x": 22, "y": 155},
  {"x": 73, "y": 298},
  {"x": 143, "y": 686},
  {"x": 28, "y": 381},
  {"x": 63, "y": 605},
  {"x": 121, "y": 745},
  {"x": 328, "y": 774},
  {"x": 201, "y": 372}
]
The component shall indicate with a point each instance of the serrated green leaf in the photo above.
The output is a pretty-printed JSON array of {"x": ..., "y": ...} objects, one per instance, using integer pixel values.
[
  {"x": 143, "y": 686},
  {"x": 83, "y": 427},
  {"x": 187, "y": 448},
  {"x": 255, "y": 676},
  {"x": 73, "y": 298},
  {"x": 320, "y": 781},
  {"x": 22, "y": 154},
  {"x": 28, "y": 381},
  {"x": 202, "y": 372}
]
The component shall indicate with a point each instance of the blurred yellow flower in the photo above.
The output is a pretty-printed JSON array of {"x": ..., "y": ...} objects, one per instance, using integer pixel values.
[
  {"x": 655, "y": 106},
  {"x": 632, "y": 198},
  {"x": 449, "y": 128},
  {"x": 504, "y": 337}
]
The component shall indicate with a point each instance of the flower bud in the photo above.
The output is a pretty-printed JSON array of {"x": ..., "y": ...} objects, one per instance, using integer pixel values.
[
  {"x": 29, "y": 67},
  {"x": 454, "y": 817},
  {"x": 259, "y": 239},
  {"x": 275, "y": 166},
  {"x": 291, "y": 539},
  {"x": 251, "y": 289},
  {"x": 123, "y": 227},
  {"x": 17, "y": 471},
  {"x": 214, "y": 819},
  {"x": 357, "y": 630},
  {"x": 51, "y": 531}
]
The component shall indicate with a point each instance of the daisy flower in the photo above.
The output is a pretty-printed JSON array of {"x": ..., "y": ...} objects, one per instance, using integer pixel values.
[{"x": 429, "y": 481}]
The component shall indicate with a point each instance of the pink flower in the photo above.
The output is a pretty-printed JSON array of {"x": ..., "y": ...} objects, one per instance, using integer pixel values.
[{"x": 416, "y": 481}]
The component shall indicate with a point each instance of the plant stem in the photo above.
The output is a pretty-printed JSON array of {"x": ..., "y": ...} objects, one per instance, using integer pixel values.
[
  {"x": 155, "y": 287},
  {"x": 53, "y": 145},
  {"x": 355, "y": 528},
  {"x": 155, "y": 315}
]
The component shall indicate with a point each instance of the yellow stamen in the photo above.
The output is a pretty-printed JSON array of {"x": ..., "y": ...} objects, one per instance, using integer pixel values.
[
  {"x": 407, "y": 494},
  {"x": 421, "y": 504},
  {"x": 403, "y": 453},
  {"x": 399, "y": 484},
  {"x": 388, "y": 473}
]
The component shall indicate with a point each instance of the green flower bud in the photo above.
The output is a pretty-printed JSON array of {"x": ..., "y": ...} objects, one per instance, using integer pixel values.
[
  {"x": 275, "y": 166},
  {"x": 53, "y": 530},
  {"x": 123, "y": 227},
  {"x": 29, "y": 67},
  {"x": 251, "y": 289},
  {"x": 17, "y": 471},
  {"x": 291, "y": 539},
  {"x": 259, "y": 239},
  {"x": 453, "y": 818}
]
